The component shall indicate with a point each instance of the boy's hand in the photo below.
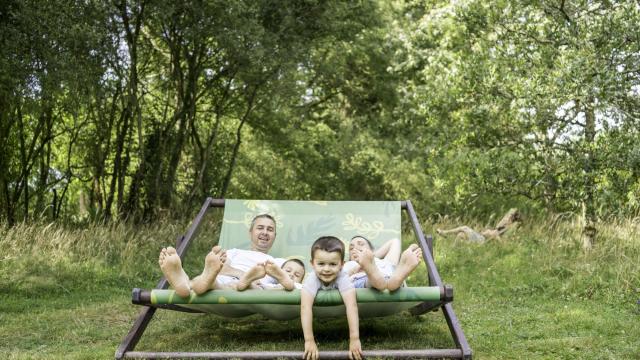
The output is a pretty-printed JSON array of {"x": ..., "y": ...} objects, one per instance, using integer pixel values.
[
  {"x": 355, "y": 349},
  {"x": 311, "y": 350}
]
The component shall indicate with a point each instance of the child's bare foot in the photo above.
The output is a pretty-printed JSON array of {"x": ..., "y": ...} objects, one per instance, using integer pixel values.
[
  {"x": 409, "y": 260},
  {"x": 212, "y": 264},
  {"x": 255, "y": 273},
  {"x": 171, "y": 267},
  {"x": 277, "y": 273},
  {"x": 365, "y": 260}
]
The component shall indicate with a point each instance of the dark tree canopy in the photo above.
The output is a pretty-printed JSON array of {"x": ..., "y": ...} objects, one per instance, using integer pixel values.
[{"x": 134, "y": 109}]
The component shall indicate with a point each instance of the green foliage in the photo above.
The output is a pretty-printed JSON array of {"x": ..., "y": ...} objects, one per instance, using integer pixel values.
[{"x": 133, "y": 110}]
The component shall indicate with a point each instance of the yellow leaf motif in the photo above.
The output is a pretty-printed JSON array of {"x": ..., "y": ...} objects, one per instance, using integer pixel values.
[
  {"x": 222, "y": 300},
  {"x": 251, "y": 204},
  {"x": 369, "y": 229}
]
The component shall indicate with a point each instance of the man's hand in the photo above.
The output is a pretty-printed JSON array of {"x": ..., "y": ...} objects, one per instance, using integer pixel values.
[
  {"x": 355, "y": 349},
  {"x": 311, "y": 350}
]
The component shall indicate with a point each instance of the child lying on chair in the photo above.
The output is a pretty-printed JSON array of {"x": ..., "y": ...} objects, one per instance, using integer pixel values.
[
  {"x": 327, "y": 259},
  {"x": 382, "y": 268},
  {"x": 255, "y": 277}
]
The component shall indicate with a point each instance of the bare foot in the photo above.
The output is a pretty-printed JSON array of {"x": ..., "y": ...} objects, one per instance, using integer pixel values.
[
  {"x": 277, "y": 273},
  {"x": 171, "y": 267},
  {"x": 409, "y": 260},
  {"x": 212, "y": 264},
  {"x": 255, "y": 273},
  {"x": 375, "y": 278}
]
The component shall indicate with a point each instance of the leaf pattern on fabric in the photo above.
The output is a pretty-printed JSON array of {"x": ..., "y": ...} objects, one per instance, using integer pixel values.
[
  {"x": 371, "y": 230},
  {"x": 302, "y": 233},
  {"x": 299, "y": 223}
]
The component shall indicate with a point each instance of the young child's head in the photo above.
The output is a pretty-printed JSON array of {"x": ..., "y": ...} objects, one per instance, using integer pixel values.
[
  {"x": 358, "y": 243},
  {"x": 295, "y": 269},
  {"x": 327, "y": 258}
]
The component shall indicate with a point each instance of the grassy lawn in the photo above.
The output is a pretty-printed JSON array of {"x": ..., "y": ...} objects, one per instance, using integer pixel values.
[{"x": 65, "y": 293}]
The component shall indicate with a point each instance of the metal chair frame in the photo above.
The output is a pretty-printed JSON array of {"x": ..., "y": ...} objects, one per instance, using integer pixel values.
[{"x": 462, "y": 350}]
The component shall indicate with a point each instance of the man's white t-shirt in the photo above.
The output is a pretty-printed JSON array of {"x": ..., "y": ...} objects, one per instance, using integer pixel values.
[{"x": 244, "y": 260}]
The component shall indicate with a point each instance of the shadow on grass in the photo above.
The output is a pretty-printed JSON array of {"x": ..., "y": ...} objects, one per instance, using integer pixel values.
[{"x": 172, "y": 331}]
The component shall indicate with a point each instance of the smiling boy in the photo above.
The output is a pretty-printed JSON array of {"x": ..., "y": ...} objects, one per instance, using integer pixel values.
[{"x": 327, "y": 259}]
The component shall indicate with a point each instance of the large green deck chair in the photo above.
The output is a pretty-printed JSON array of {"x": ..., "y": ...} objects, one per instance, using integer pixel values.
[{"x": 299, "y": 223}]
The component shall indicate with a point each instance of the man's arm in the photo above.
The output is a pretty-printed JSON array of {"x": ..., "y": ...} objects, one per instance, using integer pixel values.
[
  {"x": 350, "y": 302},
  {"x": 383, "y": 249},
  {"x": 306, "y": 317}
]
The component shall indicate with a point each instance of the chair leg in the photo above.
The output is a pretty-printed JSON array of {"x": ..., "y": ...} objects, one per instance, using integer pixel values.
[
  {"x": 456, "y": 331},
  {"x": 131, "y": 340}
]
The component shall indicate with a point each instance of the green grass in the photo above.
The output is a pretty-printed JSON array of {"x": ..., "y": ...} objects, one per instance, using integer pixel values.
[{"x": 65, "y": 293}]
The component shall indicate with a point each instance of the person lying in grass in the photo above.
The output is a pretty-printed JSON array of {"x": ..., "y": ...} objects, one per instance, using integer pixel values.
[
  {"x": 225, "y": 269},
  {"x": 327, "y": 259},
  {"x": 464, "y": 232},
  {"x": 384, "y": 268}
]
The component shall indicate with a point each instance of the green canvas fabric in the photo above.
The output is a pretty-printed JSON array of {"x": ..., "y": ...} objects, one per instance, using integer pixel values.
[
  {"x": 285, "y": 305},
  {"x": 300, "y": 223},
  {"x": 324, "y": 298}
]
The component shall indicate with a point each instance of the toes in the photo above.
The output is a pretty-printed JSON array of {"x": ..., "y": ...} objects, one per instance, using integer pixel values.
[{"x": 171, "y": 250}]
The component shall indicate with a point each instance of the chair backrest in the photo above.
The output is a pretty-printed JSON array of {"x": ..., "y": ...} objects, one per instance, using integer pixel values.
[{"x": 300, "y": 223}]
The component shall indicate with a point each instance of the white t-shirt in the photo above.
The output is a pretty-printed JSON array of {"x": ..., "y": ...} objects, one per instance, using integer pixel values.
[
  {"x": 386, "y": 268},
  {"x": 244, "y": 260},
  {"x": 312, "y": 284}
]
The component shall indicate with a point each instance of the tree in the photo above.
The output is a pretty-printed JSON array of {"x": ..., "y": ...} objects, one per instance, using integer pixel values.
[{"x": 535, "y": 86}]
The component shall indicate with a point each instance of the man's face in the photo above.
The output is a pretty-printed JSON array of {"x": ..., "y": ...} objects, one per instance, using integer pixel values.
[
  {"x": 326, "y": 265},
  {"x": 294, "y": 270},
  {"x": 359, "y": 244},
  {"x": 262, "y": 234}
]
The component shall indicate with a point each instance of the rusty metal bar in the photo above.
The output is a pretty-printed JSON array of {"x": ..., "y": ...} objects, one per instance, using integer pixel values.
[
  {"x": 219, "y": 203},
  {"x": 193, "y": 229},
  {"x": 396, "y": 354},
  {"x": 447, "y": 309},
  {"x": 125, "y": 350},
  {"x": 135, "y": 333},
  {"x": 427, "y": 250},
  {"x": 456, "y": 331}
]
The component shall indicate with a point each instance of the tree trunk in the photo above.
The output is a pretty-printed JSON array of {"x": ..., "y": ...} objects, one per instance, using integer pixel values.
[
  {"x": 588, "y": 206},
  {"x": 132, "y": 110},
  {"x": 6, "y": 123},
  {"x": 236, "y": 147}
]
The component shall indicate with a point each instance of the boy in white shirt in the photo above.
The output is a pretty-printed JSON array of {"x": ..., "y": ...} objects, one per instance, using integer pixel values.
[{"x": 327, "y": 259}]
